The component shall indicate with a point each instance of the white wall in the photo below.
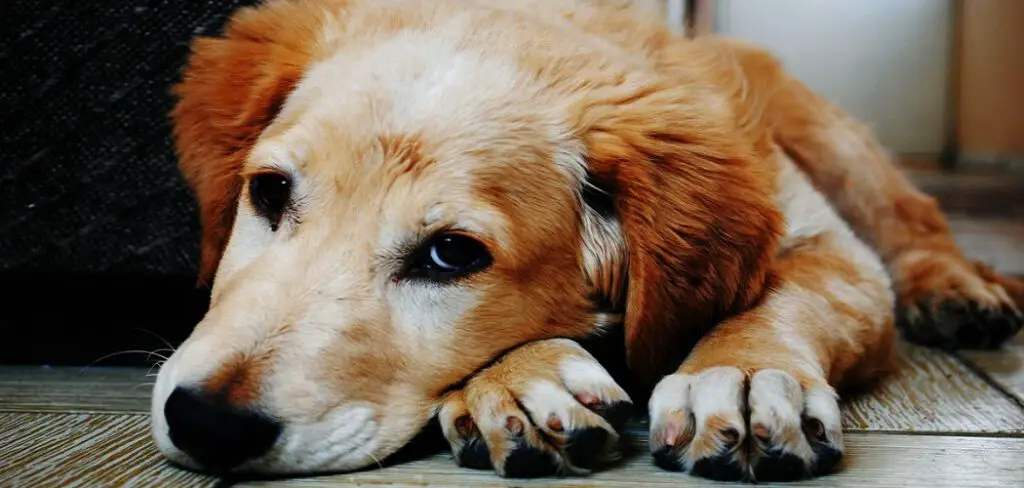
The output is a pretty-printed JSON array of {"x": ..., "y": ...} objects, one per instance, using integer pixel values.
[{"x": 884, "y": 61}]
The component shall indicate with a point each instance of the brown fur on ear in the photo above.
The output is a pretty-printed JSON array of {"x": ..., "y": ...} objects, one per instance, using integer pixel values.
[
  {"x": 231, "y": 90},
  {"x": 693, "y": 200}
]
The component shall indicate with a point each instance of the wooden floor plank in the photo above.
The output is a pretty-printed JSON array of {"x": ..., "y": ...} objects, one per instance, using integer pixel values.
[
  {"x": 1004, "y": 366},
  {"x": 75, "y": 389},
  {"x": 115, "y": 450},
  {"x": 931, "y": 392},
  {"x": 84, "y": 450}
]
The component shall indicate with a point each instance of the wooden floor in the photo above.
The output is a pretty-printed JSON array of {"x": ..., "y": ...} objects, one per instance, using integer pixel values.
[{"x": 943, "y": 421}]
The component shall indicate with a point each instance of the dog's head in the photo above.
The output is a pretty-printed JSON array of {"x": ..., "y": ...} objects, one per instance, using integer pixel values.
[{"x": 391, "y": 198}]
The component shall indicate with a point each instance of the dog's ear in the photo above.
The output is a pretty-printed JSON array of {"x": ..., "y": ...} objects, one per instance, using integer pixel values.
[
  {"x": 691, "y": 198},
  {"x": 231, "y": 89}
]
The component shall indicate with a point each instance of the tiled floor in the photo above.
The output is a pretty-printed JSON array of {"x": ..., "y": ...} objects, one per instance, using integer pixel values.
[{"x": 942, "y": 421}]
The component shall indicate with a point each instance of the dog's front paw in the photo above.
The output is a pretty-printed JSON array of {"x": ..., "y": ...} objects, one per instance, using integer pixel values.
[
  {"x": 725, "y": 425},
  {"x": 546, "y": 408},
  {"x": 947, "y": 302}
]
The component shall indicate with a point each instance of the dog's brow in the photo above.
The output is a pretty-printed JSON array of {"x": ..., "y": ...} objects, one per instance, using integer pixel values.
[
  {"x": 272, "y": 156},
  {"x": 405, "y": 152}
]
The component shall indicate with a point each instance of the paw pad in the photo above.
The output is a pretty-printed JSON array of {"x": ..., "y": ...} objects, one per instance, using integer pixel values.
[
  {"x": 475, "y": 455},
  {"x": 526, "y": 461},
  {"x": 585, "y": 446},
  {"x": 722, "y": 467},
  {"x": 667, "y": 458},
  {"x": 777, "y": 465}
]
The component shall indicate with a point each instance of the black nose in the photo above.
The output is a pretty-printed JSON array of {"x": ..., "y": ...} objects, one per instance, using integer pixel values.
[{"x": 215, "y": 434}]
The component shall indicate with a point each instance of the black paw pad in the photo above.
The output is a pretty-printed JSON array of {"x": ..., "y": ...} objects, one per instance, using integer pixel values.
[
  {"x": 920, "y": 331},
  {"x": 1002, "y": 326},
  {"x": 585, "y": 446},
  {"x": 776, "y": 465},
  {"x": 475, "y": 455},
  {"x": 529, "y": 462},
  {"x": 615, "y": 413},
  {"x": 827, "y": 458},
  {"x": 667, "y": 458},
  {"x": 720, "y": 468},
  {"x": 952, "y": 325}
]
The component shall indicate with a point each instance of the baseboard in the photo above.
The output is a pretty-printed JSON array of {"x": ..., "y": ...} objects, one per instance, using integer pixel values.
[
  {"x": 991, "y": 162},
  {"x": 960, "y": 162}
]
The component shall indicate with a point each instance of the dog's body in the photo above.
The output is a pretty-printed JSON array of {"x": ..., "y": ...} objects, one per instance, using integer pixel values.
[{"x": 415, "y": 208}]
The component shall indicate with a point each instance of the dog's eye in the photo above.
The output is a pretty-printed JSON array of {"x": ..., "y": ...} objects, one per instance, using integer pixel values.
[
  {"x": 449, "y": 256},
  {"x": 270, "y": 194}
]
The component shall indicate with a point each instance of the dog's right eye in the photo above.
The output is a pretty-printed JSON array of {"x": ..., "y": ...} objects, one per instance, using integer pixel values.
[
  {"x": 448, "y": 257},
  {"x": 270, "y": 194}
]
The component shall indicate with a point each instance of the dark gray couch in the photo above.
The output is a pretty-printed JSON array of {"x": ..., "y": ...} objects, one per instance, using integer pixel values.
[{"x": 98, "y": 233}]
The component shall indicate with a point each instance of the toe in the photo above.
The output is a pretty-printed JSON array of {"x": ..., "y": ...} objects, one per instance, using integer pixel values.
[
  {"x": 718, "y": 400},
  {"x": 672, "y": 425},
  {"x": 827, "y": 458},
  {"x": 823, "y": 429},
  {"x": 473, "y": 452},
  {"x": 467, "y": 445},
  {"x": 697, "y": 423},
  {"x": 584, "y": 438},
  {"x": 594, "y": 388},
  {"x": 509, "y": 436}
]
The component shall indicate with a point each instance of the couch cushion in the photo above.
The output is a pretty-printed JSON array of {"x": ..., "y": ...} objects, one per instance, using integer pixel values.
[{"x": 88, "y": 182}]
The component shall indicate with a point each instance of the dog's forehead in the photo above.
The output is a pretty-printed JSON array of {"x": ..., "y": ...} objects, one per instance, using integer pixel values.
[
  {"x": 420, "y": 128},
  {"x": 412, "y": 102},
  {"x": 409, "y": 83}
]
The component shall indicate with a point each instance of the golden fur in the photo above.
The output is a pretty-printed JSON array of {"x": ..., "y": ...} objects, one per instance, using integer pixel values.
[{"x": 744, "y": 299}]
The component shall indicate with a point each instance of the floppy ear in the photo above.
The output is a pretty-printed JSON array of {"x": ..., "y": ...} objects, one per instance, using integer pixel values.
[
  {"x": 231, "y": 90},
  {"x": 693, "y": 201}
]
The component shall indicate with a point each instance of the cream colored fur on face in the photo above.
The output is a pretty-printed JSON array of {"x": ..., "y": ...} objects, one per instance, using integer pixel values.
[{"x": 295, "y": 290}]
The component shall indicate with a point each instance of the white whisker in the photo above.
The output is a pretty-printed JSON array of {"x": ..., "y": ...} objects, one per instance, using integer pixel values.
[
  {"x": 369, "y": 453},
  {"x": 157, "y": 365},
  {"x": 154, "y": 334},
  {"x": 147, "y": 385},
  {"x": 148, "y": 354}
]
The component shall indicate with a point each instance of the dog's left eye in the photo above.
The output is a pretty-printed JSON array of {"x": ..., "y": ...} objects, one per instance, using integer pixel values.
[
  {"x": 270, "y": 194},
  {"x": 449, "y": 256}
]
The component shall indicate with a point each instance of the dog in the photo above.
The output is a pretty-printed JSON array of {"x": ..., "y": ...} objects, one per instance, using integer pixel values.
[{"x": 519, "y": 218}]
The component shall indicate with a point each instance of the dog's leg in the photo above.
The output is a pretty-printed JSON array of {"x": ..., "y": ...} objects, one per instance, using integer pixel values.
[
  {"x": 943, "y": 298},
  {"x": 756, "y": 399},
  {"x": 544, "y": 408}
]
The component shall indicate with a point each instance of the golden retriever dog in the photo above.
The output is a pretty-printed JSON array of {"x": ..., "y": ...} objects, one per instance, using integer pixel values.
[{"x": 519, "y": 218}]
